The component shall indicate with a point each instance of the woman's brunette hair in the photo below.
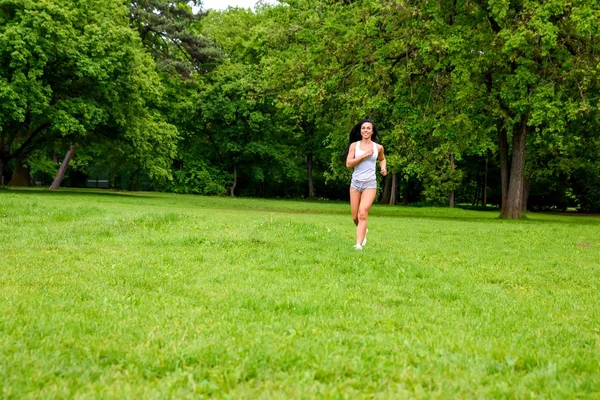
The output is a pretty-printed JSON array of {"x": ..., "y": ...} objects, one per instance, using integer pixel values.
[{"x": 355, "y": 135}]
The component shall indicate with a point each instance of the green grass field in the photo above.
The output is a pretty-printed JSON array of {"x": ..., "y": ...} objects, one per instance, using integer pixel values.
[{"x": 146, "y": 295}]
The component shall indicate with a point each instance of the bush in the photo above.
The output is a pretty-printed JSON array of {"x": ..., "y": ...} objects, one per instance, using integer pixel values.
[
  {"x": 586, "y": 187},
  {"x": 196, "y": 178}
]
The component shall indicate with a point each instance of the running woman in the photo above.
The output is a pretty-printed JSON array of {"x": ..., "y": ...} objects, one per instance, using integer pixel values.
[{"x": 362, "y": 155}]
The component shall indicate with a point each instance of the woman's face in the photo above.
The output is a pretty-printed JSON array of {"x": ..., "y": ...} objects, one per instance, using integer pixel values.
[{"x": 366, "y": 130}]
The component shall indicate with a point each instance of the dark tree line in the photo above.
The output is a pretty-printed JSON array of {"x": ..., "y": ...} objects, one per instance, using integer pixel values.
[{"x": 479, "y": 102}]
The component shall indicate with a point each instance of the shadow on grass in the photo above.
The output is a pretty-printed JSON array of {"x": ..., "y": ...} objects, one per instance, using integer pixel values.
[
  {"x": 475, "y": 214},
  {"x": 491, "y": 215},
  {"x": 73, "y": 192},
  {"x": 478, "y": 208}
]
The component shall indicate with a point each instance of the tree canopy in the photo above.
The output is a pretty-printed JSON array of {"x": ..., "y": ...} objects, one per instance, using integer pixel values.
[
  {"x": 73, "y": 72},
  {"x": 477, "y": 101}
]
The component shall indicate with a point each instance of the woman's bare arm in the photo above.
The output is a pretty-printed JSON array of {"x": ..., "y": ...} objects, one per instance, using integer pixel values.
[
  {"x": 352, "y": 162},
  {"x": 382, "y": 161}
]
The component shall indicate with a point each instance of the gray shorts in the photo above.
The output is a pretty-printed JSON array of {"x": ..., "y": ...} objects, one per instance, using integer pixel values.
[{"x": 361, "y": 186}]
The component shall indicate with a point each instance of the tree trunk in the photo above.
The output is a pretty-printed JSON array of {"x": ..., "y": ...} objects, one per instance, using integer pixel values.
[
  {"x": 526, "y": 189},
  {"x": 387, "y": 186},
  {"x": 309, "y": 175},
  {"x": 477, "y": 188},
  {"x": 514, "y": 199},
  {"x": 3, "y": 158},
  {"x": 485, "y": 182},
  {"x": 476, "y": 196},
  {"x": 63, "y": 168},
  {"x": 133, "y": 180},
  {"x": 504, "y": 166},
  {"x": 20, "y": 175},
  {"x": 393, "y": 190},
  {"x": 452, "y": 166},
  {"x": 234, "y": 180}
]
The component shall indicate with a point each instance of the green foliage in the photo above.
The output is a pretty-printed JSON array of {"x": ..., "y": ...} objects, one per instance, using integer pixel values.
[
  {"x": 437, "y": 184},
  {"x": 585, "y": 176},
  {"x": 196, "y": 178},
  {"x": 257, "y": 99},
  {"x": 75, "y": 72},
  {"x": 166, "y": 30},
  {"x": 440, "y": 78},
  {"x": 240, "y": 130},
  {"x": 587, "y": 189},
  {"x": 196, "y": 181},
  {"x": 39, "y": 162}
]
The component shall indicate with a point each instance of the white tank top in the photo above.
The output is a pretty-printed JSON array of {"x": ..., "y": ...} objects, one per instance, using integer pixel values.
[{"x": 365, "y": 170}]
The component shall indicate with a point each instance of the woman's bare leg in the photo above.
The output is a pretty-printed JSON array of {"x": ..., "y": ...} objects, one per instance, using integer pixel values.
[
  {"x": 366, "y": 200},
  {"x": 354, "y": 204}
]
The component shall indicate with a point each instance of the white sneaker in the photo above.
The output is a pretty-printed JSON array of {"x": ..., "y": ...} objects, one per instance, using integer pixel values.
[
  {"x": 365, "y": 239},
  {"x": 358, "y": 246}
]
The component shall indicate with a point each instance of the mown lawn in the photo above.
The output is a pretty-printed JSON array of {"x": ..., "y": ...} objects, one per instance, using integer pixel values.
[{"x": 120, "y": 295}]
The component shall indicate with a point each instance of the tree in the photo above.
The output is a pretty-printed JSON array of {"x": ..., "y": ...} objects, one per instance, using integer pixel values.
[
  {"x": 166, "y": 30},
  {"x": 239, "y": 123},
  {"x": 445, "y": 80},
  {"x": 538, "y": 65},
  {"x": 75, "y": 73},
  {"x": 293, "y": 70}
]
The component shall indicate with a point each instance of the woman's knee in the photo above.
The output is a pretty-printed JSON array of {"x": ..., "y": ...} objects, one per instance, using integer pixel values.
[{"x": 362, "y": 213}]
